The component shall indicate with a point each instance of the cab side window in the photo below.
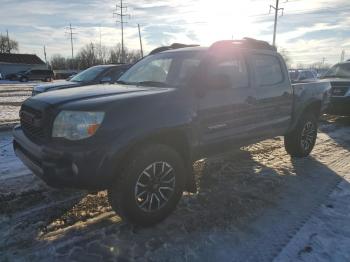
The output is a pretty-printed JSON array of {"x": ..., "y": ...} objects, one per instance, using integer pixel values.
[
  {"x": 268, "y": 69},
  {"x": 234, "y": 68}
]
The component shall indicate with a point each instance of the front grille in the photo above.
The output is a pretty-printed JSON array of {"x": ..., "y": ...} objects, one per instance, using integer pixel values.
[
  {"x": 32, "y": 123},
  {"x": 340, "y": 88}
]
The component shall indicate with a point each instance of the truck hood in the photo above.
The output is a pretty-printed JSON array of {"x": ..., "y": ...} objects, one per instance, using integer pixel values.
[
  {"x": 57, "y": 85},
  {"x": 100, "y": 92}
]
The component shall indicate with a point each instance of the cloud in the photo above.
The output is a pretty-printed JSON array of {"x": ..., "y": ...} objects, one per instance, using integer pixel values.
[{"x": 308, "y": 30}]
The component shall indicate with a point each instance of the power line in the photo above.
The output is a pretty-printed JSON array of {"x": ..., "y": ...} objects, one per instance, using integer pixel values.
[{"x": 119, "y": 12}]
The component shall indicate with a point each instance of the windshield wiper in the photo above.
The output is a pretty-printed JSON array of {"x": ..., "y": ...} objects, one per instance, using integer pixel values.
[
  {"x": 152, "y": 83},
  {"x": 123, "y": 82}
]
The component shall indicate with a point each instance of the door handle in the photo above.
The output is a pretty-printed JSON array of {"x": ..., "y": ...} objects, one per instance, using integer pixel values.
[{"x": 251, "y": 100}]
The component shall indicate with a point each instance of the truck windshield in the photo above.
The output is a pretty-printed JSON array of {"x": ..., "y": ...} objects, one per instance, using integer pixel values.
[
  {"x": 339, "y": 70},
  {"x": 163, "y": 69},
  {"x": 88, "y": 74}
]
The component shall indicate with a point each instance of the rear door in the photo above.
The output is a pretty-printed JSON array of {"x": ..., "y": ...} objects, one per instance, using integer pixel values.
[
  {"x": 273, "y": 93},
  {"x": 225, "y": 115}
]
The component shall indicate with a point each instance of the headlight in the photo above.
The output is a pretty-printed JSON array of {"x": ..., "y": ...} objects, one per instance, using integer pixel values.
[{"x": 76, "y": 125}]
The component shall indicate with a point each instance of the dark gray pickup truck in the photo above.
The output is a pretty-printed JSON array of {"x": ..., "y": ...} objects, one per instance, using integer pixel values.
[
  {"x": 140, "y": 137},
  {"x": 339, "y": 77}
]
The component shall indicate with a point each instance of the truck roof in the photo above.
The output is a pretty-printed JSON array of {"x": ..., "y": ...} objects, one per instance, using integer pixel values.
[{"x": 245, "y": 43}]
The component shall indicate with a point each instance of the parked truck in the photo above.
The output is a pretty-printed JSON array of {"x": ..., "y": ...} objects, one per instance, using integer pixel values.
[
  {"x": 139, "y": 138},
  {"x": 339, "y": 77}
]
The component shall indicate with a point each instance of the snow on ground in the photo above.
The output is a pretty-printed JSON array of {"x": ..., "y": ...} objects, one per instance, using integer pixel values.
[
  {"x": 13, "y": 98},
  {"x": 10, "y": 166},
  {"x": 326, "y": 236},
  {"x": 9, "y": 114},
  {"x": 12, "y": 95},
  {"x": 255, "y": 204}
]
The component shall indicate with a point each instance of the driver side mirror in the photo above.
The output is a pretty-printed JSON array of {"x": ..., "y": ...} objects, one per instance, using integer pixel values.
[{"x": 106, "y": 79}]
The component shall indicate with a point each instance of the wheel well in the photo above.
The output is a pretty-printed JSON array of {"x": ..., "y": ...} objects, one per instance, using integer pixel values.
[
  {"x": 314, "y": 107},
  {"x": 178, "y": 141}
]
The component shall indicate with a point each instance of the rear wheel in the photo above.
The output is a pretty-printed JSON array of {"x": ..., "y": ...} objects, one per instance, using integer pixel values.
[
  {"x": 150, "y": 187},
  {"x": 301, "y": 140}
]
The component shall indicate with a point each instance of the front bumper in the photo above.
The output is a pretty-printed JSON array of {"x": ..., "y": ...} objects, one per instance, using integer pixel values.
[
  {"x": 84, "y": 167},
  {"x": 339, "y": 106}
]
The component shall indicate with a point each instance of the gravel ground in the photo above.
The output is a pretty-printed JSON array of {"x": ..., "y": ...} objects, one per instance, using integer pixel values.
[{"x": 253, "y": 204}]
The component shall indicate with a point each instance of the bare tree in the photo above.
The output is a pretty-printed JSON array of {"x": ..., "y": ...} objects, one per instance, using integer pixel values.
[
  {"x": 8, "y": 45},
  {"x": 285, "y": 54},
  {"x": 58, "y": 62},
  {"x": 88, "y": 56},
  {"x": 93, "y": 54},
  {"x": 115, "y": 55}
]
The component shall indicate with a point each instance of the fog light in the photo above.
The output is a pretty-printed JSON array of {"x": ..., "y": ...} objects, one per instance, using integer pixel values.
[{"x": 75, "y": 169}]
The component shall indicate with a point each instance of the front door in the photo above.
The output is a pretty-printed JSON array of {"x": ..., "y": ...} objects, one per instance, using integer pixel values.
[{"x": 225, "y": 114}]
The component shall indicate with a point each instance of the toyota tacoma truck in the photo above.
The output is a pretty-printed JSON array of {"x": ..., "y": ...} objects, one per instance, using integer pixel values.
[{"x": 140, "y": 137}]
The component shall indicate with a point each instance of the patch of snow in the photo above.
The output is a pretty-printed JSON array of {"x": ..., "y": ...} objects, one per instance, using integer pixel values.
[
  {"x": 12, "y": 99},
  {"x": 10, "y": 165},
  {"x": 326, "y": 236},
  {"x": 9, "y": 113}
]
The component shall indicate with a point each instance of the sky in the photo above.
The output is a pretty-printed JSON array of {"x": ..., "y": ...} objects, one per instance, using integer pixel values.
[{"x": 309, "y": 30}]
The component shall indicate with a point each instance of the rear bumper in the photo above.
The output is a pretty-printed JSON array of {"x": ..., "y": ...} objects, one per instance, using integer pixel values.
[
  {"x": 339, "y": 106},
  {"x": 83, "y": 168}
]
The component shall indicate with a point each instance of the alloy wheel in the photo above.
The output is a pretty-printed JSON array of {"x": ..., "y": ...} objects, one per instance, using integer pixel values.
[
  {"x": 155, "y": 186},
  {"x": 308, "y": 135}
]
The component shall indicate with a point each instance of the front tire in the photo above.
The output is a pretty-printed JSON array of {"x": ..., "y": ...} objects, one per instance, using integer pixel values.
[
  {"x": 150, "y": 186},
  {"x": 301, "y": 141}
]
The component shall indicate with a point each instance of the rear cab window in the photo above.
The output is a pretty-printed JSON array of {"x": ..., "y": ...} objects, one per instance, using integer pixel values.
[{"x": 268, "y": 69}]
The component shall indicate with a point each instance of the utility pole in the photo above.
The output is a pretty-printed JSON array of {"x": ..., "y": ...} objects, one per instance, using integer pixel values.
[
  {"x": 277, "y": 9},
  {"x": 45, "y": 54},
  {"x": 8, "y": 42},
  {"x": 120, "y": 14},
  {"x": 101, "y": 45},
  {"x": 71, "y": 34},
  {"x": 342, "y": 56},
  {"x": 138, "y": 26}
]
